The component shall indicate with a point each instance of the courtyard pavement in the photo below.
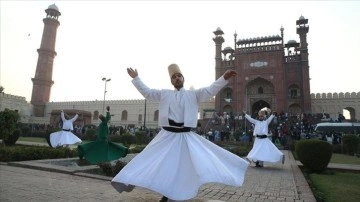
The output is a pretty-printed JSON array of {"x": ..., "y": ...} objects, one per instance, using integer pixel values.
[{"x": 38, "y": 181}]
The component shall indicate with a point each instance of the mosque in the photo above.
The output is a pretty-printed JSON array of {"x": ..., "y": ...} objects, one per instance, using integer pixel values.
[{"x": 273, "y": 74}]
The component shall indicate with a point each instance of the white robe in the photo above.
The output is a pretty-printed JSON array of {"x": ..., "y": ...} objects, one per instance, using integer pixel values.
[
  {"x": 177, "y": 164},
  {"x": 263, "y": 149},
  {"x": 63, "y": 137}
]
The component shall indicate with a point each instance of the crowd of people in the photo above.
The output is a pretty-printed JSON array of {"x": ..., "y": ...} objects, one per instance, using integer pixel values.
[{"x": 283, "y": 128}]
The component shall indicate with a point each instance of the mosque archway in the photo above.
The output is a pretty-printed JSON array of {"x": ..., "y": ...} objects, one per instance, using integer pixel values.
[{"x": 349, "y": 113}]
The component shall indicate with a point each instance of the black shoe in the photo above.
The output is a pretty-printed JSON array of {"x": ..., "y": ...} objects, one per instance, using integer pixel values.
[
  {"x": 163, "y": 199},
  {"x": 257, "y": 164}
]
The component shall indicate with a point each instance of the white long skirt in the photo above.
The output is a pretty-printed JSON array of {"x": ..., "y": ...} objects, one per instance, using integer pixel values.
[
  {"x": 265, "y": 150},
  {"x": 62, "y": 137},
  {"x": 177, "y": 164}
]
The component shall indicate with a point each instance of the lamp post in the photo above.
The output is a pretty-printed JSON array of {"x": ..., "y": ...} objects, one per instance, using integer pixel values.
[
  {"x": 105, "y": 80},
  {"x": 145, "y": 115},
  {"x": 245, "y": 109}
]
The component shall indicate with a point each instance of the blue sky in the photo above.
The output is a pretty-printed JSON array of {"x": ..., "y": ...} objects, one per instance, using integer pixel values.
[{"x": 99, "y": 39}]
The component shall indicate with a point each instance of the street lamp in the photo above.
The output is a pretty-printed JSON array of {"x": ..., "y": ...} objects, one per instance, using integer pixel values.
[
  {"x": 145, "y": 116},
  {"x": 106, "y": 80}
]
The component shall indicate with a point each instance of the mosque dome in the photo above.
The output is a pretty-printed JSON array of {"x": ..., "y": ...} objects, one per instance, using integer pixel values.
[
  {"x": 53, "y": 6},
  {"x": 291, "y": 41}
]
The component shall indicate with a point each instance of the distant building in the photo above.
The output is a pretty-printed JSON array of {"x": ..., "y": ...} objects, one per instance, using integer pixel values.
[{"x": 271, "y": 74}]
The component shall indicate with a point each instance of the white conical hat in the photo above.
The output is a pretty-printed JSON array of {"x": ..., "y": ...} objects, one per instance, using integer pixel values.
[
  {"x": 173, "y": 69},
  {"x": 265, "y": 109}
]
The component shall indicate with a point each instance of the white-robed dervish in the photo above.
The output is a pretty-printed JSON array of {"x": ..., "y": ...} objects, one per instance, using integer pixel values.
[
  {"x": 263, "y": 149},
  {"x": 65, "y": 137},
  {"x": 178, "y": 161}
]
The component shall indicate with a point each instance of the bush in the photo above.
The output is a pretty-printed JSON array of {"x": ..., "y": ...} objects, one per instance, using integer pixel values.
[
  {"x": 315, "y": 155},
  {"x": 351, "y": 143},
  {"x": 115, "y": 138},
  {"x": 11, "y": 140},
  {"x": 26, "y": 153},
  {"x": 240, "y": 149},
  {"x": 39, "y": 133},
  {"x": 90, "y": 134},
  {"x": 112, "y": 170},
  {"x": 137, "y": 149},
  {"x": 337, "y": 148},
  {"x": 127, "y": 140},
  {"x": 292, "y": 145},
  {"x": 140, "y": 137},
  {"x": 8, "y": 123},
  {"x": 25, "y": 131}
]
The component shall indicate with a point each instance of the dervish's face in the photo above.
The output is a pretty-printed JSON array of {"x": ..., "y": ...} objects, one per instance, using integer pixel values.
[
  {"x": 177, "y": 80},
  {"x": 261, "y": 116}
]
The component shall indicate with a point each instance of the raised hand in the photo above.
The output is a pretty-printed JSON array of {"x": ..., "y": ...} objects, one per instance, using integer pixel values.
[
  {"x": 229, "y": 73},
  {"x": 132, "y": 73}
]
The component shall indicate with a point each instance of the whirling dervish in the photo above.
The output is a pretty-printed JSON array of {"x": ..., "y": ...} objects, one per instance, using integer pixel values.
[{"x": 65, "y": 137}]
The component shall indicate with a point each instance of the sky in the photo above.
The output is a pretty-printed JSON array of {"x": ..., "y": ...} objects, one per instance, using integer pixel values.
[{"x": 99, "y": 39}]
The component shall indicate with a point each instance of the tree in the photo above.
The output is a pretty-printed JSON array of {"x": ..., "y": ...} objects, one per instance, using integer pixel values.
[
  {"x": 1, "y": 89},
  {"x": 8, "y": 121}
]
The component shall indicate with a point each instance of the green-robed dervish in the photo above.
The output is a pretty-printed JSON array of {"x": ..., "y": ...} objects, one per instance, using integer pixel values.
[{"x": 102, "y": 150}]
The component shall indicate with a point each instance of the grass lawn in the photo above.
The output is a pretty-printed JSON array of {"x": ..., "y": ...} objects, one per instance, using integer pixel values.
[
  {"x": 33, "y": 139},
  {"x": 336, "y": 187},
  {"x": 345, "y": 159}
]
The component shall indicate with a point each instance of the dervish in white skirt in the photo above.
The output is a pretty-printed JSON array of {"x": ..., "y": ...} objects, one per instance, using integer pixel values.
[
  {"x": 65, "y": 137},
  {"x": 263, "y": 149},
  {"x": 178, "y": 161}
]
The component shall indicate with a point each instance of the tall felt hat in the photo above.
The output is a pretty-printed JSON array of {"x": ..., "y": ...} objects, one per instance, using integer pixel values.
[{"x": 173, "y": 69}]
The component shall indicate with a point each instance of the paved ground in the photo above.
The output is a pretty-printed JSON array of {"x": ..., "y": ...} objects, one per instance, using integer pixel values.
[{"x": 279, "y": 182}]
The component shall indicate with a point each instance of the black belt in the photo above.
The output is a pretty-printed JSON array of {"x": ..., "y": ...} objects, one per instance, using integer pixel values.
[
  {"x": 66, "y": 129},
  {"x": 177, "y": 130},
  {"x": 173, "y": 123},
  {"x": 180, "y": 127},
  {"x": 261, "y": 136}
]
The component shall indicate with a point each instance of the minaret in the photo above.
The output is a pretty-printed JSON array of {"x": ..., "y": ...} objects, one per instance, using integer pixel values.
[
  {"x": 42, "y": 81},
  {"x": 302, "y": 30},
  {"x": 219, "y": 40}
]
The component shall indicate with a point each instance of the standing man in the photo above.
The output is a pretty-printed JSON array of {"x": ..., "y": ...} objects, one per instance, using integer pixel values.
[
  {"x": 263, "y": 149},
  {"x": 65, "y": 137},
  {"x": 178, "y": 161}
]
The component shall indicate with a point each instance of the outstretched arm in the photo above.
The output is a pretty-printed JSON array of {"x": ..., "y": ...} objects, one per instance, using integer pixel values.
[
  {"x": 108, "y": 116},
  {"x": 249, "y": 118},
  {"x": 75, "y": 117},
  {"x": 210, "y": 91},
  {"x": 62, "y": 115},
  {"x": 149, "y": 94}
]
